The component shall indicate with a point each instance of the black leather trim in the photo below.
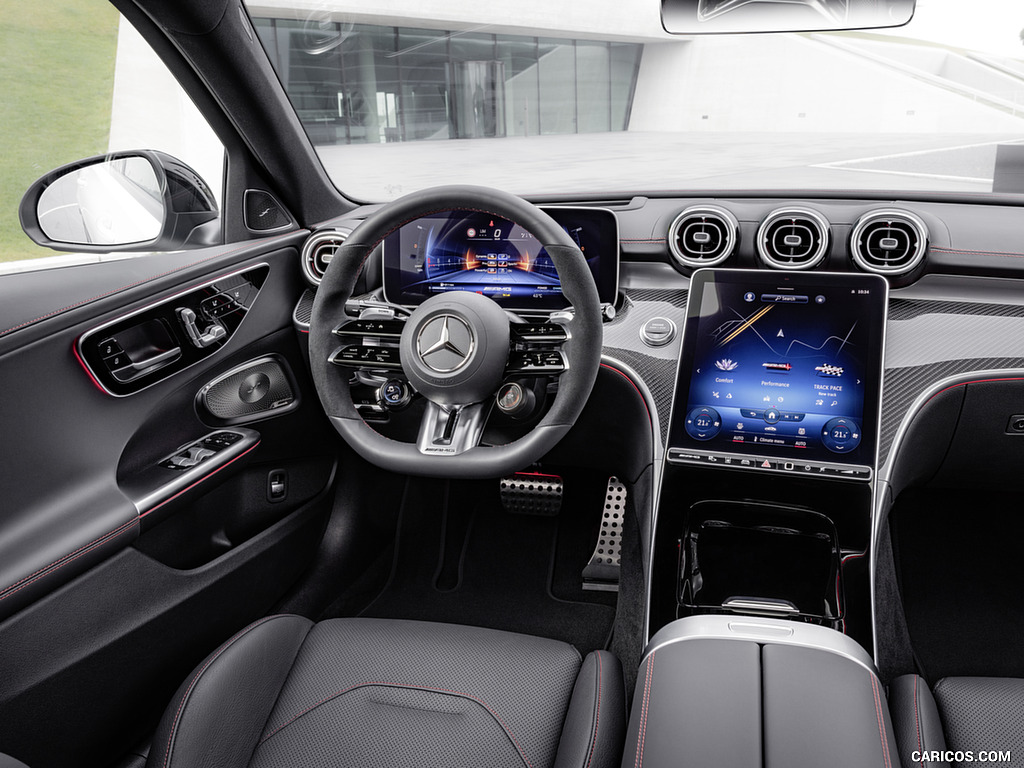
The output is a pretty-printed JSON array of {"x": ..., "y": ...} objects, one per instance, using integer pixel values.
[
  {"x": 915, "y": 720},
  {"x": 217, "y": 715},
  {"x": 820, "y": 708},
  {"x": 41, "y": 550},
  {"x": 697, "y": 704},
  {"x": 595, "y": 724}
]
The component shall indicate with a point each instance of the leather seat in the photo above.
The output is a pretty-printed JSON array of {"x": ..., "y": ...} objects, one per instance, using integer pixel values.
[
  {"x": 964, "y": 714},
  {"x": 369, "y": 692}
]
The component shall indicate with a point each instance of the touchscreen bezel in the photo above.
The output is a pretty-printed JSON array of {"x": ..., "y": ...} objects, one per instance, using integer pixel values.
[
  {"x": 606, "y": 278},
  {"x": 782, "y": 459}
]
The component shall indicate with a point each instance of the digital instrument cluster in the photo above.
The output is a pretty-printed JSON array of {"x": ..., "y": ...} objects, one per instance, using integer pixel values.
[
  {"x": 473, "y": 251},
  {"x": 781, "y": 372}
]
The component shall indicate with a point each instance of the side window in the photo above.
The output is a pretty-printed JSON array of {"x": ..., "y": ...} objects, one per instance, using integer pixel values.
[{"x": 79, "y": 81}]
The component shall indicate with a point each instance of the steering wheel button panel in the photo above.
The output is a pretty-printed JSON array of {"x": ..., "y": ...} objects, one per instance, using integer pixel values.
[
  {"x": 383, "y": 328},
  {"x": 362, "y": 356}
]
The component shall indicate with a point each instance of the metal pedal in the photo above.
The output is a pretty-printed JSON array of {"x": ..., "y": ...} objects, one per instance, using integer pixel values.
[
  {"x": 602, "y": 572},
  {"x": 528, "y": 493}
]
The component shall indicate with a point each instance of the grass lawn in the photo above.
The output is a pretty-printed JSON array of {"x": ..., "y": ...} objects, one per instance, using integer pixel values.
[{"x": 57, "y": 83}]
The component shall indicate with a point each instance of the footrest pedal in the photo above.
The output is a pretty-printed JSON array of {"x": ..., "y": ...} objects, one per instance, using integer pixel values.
[{"x": 602, "y": 572}]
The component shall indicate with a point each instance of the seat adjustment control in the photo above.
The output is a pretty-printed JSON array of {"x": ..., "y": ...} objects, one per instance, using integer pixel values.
[{"x": 200, "y": 339}]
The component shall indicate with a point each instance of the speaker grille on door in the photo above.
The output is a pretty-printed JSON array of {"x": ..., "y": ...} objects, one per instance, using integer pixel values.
[
  {"x": 263, "y": 213},
  {"x": 253, "y": 390}
]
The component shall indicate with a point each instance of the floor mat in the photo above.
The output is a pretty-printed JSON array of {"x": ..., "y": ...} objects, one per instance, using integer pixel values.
[
  {"x": 958, "y": 563},
  {"x": 461, "y": 558}
]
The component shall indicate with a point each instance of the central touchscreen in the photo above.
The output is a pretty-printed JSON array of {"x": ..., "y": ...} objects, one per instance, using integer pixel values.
[{"x": 781, "y": 366}]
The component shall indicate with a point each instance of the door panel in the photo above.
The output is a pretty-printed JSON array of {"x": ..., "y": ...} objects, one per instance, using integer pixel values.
[{"x": 105, "y": 608}]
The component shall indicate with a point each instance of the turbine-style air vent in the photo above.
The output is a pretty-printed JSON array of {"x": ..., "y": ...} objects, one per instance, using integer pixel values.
[
  {"x": 703, "y": 236},
  {"x": 318, "y": 250},
  {"x": 888, "y": 242},
  {"x": 793, "y": 238}
]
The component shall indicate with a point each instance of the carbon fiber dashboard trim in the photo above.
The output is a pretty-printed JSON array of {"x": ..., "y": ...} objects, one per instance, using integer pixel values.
[
  {"x": 908, "y": 309},
  {"x": 903, "y": 386}
]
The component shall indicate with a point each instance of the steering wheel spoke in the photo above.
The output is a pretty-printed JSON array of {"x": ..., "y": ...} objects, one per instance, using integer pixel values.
[{"x": 448, "y": 430}]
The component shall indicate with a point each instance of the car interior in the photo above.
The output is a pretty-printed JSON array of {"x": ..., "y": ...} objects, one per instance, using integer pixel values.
[{"x": 711, "y": 477}]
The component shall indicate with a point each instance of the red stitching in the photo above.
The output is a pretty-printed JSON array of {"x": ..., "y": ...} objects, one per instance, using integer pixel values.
[
  {"x": 978, "y": 253},
  {"x": 199, "y": 674},
  {"x": 60, "y": 562},
  {"x": 917, "y": 724},
  {"x": 633, "y": 384},
  {"x": 597, "y": 713},
  {"x": 975, "y": 381},
  {"x": 643, "y": 710},
  {"x": 111, "y": 292},
  {"x": 881, "y": 727},
  {"x": 508, "y": 731}
]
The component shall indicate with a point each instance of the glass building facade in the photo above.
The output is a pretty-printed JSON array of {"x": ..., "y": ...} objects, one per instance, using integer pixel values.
[{"x": 362, "y": 83}]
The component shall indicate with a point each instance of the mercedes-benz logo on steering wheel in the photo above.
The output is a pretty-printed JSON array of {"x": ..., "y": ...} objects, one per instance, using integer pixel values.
[{"x": 445, "y": 343}]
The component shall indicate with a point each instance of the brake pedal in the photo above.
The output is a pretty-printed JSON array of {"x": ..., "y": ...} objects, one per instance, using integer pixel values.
[
  {"x": 530, "y": 493},
  {"x": 602, "y": 572}
]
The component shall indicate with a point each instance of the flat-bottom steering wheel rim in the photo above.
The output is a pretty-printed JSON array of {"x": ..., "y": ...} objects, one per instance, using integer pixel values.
[{"x": 582, "y": 350}]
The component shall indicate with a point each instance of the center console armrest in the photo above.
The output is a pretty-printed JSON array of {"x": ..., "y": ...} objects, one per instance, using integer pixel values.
[{"x": 757, "y": 693}]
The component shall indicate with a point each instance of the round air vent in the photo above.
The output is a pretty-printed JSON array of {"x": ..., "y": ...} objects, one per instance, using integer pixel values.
[
  {"x": 703, "y": 236},
  {"x": 318, "y": 250},
  {"x": 793, "y": 238},
  {"x": 888, "y": 242}
]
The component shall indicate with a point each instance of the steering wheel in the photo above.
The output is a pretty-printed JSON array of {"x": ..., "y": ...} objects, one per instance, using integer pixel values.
[{"x": 457, "y": 348}]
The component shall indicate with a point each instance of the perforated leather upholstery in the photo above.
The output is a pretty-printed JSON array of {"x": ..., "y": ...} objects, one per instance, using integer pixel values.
[
  {"x": 371, "y": 692},
  {"x": 963, "y": 715}
]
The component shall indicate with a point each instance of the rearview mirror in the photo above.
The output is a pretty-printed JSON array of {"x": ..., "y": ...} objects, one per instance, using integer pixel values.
[
  {"x": 697, "y": 17},
  {"x": 124, "y": 201}
]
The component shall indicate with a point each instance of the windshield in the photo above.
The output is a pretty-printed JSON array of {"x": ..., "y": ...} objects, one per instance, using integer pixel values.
[{"x": 537, "y": 98}]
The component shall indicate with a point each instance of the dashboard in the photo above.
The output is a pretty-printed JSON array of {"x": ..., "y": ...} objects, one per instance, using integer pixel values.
[{"x": 953, "y": 268}]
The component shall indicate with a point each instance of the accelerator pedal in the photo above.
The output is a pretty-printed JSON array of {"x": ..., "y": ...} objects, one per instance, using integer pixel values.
[
  {"x": 601, "y": 574},
  {"x": 530, "y": 493}
]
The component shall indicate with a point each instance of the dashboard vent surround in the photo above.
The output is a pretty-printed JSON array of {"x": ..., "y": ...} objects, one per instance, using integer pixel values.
[
  {"x": 318, "y": 250},
  {"x": 888, "y": 242},
  {"x": 703, "y": 236},
  {"x": 793, "y": 238}
]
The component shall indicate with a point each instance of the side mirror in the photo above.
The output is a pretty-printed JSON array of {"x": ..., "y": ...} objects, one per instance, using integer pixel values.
[{"x": 124, "y": 201}]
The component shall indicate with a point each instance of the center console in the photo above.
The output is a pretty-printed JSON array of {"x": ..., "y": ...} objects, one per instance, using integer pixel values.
[
  {"x": 766, "y": 491},
  {"x": 757, "y": 693}
]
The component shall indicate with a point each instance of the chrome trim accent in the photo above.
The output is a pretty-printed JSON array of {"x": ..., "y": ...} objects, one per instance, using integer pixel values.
[
  {"x": 872, "y": 217},
  {"x": 444, "y": 343},
  {"x": 121, "y": 318},
  {"x": 309, "y": 251},
  {"x": 663, "y": 342},
  {"x": 730, "y": 225},
  {"x": 762, "y": 630},
  {"x": 794, "y": 212}
]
